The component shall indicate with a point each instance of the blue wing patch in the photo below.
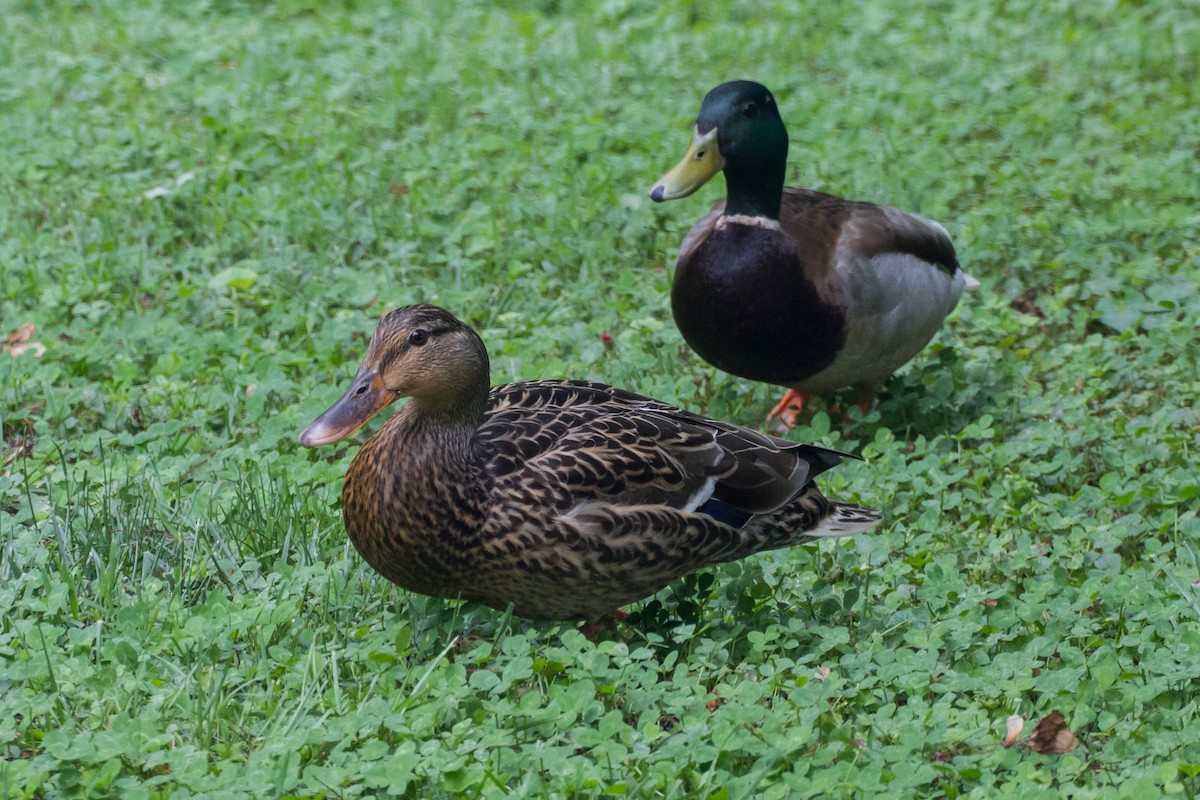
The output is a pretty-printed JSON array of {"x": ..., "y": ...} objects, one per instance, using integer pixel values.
[{"x": 724, "y": 512}]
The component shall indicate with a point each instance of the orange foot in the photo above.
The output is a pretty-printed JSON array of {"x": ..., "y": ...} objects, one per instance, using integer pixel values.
[
  {"x": 591, "y": 630},
  {"x": 863, "y": 405},
  {"x": 788, "y": 409}
]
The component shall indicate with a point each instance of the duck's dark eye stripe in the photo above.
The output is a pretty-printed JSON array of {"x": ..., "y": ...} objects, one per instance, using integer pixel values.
[{"x": 421, "y": 336}]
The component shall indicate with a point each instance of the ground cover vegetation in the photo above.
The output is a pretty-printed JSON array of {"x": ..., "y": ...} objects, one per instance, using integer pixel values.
[{"x": 204, "y": 208}]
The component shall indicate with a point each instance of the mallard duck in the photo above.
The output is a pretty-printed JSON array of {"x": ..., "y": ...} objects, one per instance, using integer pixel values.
[
  {"x": 792, "y": 286},
  {"x": 563, "y": 498}
]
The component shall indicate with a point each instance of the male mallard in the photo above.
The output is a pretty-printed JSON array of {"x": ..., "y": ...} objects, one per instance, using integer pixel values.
[
  {"x": 792, "y": 286},
  {"x": 564, "y": 498}
]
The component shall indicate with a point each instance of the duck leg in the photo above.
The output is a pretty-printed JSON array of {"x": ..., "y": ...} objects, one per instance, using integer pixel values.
[
  {"x": 790, "y": 407},
  {"x": 863, "y": 405},
  {"x": 591, "y": 630}
]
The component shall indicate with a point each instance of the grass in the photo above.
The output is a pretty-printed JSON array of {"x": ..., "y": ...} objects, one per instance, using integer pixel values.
[{"x": 206, "y": 206}]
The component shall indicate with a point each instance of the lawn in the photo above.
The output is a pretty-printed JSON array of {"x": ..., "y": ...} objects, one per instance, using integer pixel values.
[{"x": 205, "y": 207}]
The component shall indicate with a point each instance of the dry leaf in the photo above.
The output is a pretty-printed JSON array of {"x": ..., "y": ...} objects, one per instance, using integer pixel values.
[
  {"x": 37, "y": 348},
  {"x": 163, "y": 191},
  {"x": 21, "y": 335},
  {"x": 18, "y": 342},
  {"x": 822, "y": 673},
  {"x": 1051, "y": 735},
  {"x": 1015, "y": 724}
]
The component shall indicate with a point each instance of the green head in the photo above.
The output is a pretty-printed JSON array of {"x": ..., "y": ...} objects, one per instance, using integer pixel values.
[{"x": 739, "y": 131}]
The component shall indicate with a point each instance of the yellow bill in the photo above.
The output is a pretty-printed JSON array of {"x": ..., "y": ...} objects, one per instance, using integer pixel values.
[{"x": 702, "y": 161}]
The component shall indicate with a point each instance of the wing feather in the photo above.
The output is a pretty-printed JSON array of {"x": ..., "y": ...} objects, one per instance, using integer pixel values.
[{"x": 583, "y": 442}]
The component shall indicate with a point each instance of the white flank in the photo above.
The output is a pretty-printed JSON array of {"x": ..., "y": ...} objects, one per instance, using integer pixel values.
[{"x": 895, "y": 303}]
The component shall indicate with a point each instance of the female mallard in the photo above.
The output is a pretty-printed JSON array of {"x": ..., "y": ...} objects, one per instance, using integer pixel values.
[
  {"x": 792, "y": 286},
  {"x": 564, "y": 498}
]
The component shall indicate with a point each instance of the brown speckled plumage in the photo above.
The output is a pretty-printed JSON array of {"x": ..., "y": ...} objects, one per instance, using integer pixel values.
[{"x": 566, "y": 499}]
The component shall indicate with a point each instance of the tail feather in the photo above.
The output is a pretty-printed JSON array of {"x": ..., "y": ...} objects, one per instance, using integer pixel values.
[
  {"x": 845, "y": 519},
  {"x": 810, "y": 516}
]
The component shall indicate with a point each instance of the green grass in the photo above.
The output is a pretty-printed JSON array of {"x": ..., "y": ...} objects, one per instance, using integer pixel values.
[{"x": 204, "y": 207}]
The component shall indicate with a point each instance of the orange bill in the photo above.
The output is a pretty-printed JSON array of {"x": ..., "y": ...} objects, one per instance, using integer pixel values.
[{"x": 365, "y": 398}]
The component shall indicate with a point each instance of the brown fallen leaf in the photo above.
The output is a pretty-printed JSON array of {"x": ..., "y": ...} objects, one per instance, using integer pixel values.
[
  {"x": 1015, "y": 724},
  {"x": 20, "y": 335},
  {"x": 18, "y": 342},
  {"x": 1050, "y": 735}
]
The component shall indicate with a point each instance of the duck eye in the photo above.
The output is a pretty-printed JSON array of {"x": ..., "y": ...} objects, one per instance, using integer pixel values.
[
  {"x": 418, "y": 337},
  {"x": 749, "y": 110}
]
